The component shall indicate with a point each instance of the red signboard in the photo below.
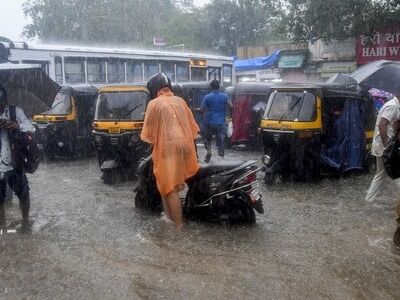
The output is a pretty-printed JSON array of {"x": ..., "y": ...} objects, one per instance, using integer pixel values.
[{"x": 384, "y": 44}]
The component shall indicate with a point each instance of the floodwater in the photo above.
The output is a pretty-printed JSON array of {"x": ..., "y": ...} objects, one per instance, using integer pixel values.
[{"x": 86, "y": 240}]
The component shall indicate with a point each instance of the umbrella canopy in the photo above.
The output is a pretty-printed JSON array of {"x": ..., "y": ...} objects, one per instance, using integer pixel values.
[
  {"x": 379, "y": 93},
  {"x": 344, "y": 80},
  {"x": 382, "y": 74},
  {"x": 28, "y": 86}
]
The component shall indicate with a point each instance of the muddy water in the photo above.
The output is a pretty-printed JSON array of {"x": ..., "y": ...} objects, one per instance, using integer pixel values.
[{"x": 87, "y": 240}]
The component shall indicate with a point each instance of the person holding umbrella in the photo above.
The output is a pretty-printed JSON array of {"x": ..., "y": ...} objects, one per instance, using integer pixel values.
[
  {"x": 383, "y": 75},
  {"x": 10, "y": 172},
  {"x": 387, "y": 126}
]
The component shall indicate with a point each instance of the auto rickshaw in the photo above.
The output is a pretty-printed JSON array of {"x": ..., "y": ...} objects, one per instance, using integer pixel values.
[
  {"x": 249, "y": 100},
  {"x": 117, "y": 125},
  {"x": 65, "y": 129},
  {"x": 311, "y": 129}
]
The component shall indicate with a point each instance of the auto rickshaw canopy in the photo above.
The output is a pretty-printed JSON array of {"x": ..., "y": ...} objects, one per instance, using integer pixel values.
[
  {"x": 322, "y": 89},
  {"x": 252, "y": 88},
  {"x": 123, "y": 88}
]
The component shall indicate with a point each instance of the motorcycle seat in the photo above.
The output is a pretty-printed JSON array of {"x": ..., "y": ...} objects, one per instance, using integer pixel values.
[{"x": 217, "y": 167}]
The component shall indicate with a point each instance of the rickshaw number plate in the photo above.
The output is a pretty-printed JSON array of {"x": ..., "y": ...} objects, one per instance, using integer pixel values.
[
  {"x": 115, "y": 130},
  {"x": 280, "y": 126}
]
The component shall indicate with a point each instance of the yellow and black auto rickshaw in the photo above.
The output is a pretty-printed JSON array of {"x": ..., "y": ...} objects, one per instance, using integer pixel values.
[
  {"x": 117, "y": 125},
  {"x": 309, "y": 128},
  {"x": 65, "y": 129}
]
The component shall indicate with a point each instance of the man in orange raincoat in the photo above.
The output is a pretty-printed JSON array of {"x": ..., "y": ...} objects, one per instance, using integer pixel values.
[{"x": 170, "y": 127}]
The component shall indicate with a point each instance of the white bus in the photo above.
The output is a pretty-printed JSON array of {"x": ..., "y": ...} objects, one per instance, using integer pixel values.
[{"x": 77, "y": 65}]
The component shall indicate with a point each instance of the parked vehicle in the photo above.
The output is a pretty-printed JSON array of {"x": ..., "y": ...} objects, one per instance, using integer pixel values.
[
  {"x": 65, "y": 130},
  {"x": 223, "y": 192},
  {"x": 309, "y": 128},
  {"x": 118, "y": 122},
  {"x": 249, "y": 100}
]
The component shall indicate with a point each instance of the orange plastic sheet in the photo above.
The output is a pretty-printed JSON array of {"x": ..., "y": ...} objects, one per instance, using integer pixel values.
[{"x": 170, "y": 127}]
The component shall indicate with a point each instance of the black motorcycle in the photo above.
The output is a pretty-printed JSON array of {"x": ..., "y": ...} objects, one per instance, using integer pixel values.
[{"x": 223, "y": 192}]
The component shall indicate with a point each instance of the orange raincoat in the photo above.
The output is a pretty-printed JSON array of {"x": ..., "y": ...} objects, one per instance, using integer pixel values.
[{"x": 170, "y": 127}]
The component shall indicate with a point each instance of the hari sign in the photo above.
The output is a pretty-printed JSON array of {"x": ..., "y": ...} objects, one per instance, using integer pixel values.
[{"x": 384, "y": 44}]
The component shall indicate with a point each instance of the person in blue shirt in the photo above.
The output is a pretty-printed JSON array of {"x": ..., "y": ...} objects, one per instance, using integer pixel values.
[{"x": 215, "y": 106}]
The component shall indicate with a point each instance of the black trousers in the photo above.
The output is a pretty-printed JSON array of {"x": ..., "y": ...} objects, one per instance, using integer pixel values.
[{"x": 17, "y": 182}]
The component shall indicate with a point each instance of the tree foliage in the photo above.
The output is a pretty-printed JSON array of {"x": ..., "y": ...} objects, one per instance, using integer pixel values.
[
  {"x": 222, "y": 25},
  {"x": 306, "y": 20},
  {"x": 99, "y": 21}
]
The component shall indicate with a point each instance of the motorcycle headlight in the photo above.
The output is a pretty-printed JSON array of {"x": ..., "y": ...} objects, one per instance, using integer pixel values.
[{"x": 266, "y": 160}]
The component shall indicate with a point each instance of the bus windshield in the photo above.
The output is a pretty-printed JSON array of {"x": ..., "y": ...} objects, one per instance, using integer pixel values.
[
  {"x": 61, "y": 105},
  {"x": 121, "y": 106},
  {"x": 291, "y": 106}
]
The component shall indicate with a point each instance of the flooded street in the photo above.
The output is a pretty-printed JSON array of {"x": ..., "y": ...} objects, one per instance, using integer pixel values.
[{"x": 87, "y": 240}]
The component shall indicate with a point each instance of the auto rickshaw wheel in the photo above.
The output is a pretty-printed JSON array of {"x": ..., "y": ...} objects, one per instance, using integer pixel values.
[
  {"x": 108, "y": 177},
  {"x": 140, "y": 201},
  {"x": 269, "y": 178},
  {"x": 273, "y": 178},
  {"x": 396, "y": 237}
]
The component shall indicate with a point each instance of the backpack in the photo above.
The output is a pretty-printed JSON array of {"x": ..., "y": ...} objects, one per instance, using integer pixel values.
[
  {"x": 25, "y": 149},
  {"x": 391, "y": 158}
]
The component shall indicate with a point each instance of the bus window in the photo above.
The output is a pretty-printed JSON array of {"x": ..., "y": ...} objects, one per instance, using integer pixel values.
[
  {"x": 214, "y": 73},
  {"x": 151, "y": 68},
  {"x": 116, "y": 71},
  {"x": 198, "y": 74},
  {"x": 44, "y": 65},
  {"x": 74, "y": 70},
  {"x": 169, "y": 69},
  {"x": 96, "y": 70},
  {"x": 182, "y": 70},
  {"x": 227, "y": 73},
  {"x": 58, "y": 70},
  {"x": 134, "y": 71}
]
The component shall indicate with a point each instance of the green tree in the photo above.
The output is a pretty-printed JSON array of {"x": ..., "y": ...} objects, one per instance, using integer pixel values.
[
  {"x": 101, "y": 21},
  {"x": 306, "y": 20},
  {"x": 222, "y": 25}
]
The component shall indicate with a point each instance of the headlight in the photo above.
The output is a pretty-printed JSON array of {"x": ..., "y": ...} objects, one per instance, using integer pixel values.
[
  {"x": 97, "y": 138},
  {"x": 266, "y": 159}
]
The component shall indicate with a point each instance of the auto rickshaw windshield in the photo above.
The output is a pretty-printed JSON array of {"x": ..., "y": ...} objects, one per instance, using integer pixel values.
[
  {"x": 121, "y": 106},
  {"x": 61, "y": 105},
  {"x": 291, "y": 106}
]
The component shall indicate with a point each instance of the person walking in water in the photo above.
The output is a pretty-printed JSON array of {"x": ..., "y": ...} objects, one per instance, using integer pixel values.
[
  {"x": 387, "y": 126},
  {"x": 12, "y": 172},
  {"x": 215, "y": 106},
  {"x": 169, "y": 126}
]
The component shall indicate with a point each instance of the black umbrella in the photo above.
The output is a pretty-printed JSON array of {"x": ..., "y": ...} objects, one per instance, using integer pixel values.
[
  {"x": 343, "y": 80},
  {"x": 28, "y": 86},
  {"x": 382, "y": 74}
]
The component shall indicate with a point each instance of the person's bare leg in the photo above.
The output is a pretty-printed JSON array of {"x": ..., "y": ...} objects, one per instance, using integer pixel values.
[
  {"x": 175, "y": 207},
  {"x": 2, "y": 215},
  {"x": 165, "y": 206}
]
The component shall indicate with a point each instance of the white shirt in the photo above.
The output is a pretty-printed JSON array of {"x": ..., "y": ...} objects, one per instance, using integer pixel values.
[
  {"x": 6, "y": 163},
  {"x": 391, "y": 112}
]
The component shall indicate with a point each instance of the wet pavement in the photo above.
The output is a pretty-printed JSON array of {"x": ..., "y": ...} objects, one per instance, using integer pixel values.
[{"x": 86, "y": 240}]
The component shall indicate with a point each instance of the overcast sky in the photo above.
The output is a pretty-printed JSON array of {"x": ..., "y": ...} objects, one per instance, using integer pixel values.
[{"x": 12, "y": 19}]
